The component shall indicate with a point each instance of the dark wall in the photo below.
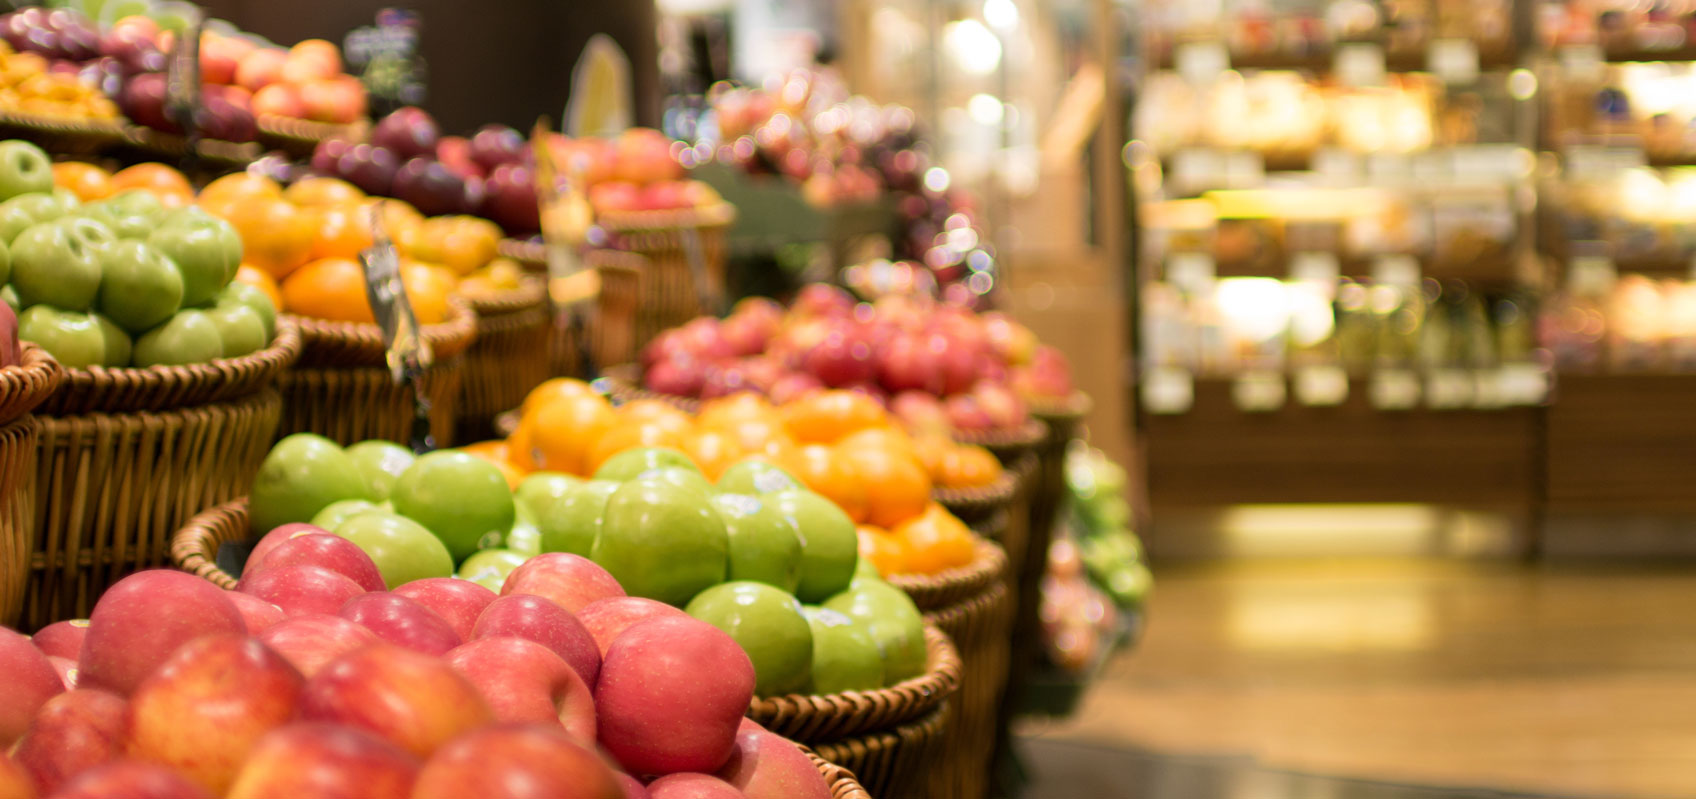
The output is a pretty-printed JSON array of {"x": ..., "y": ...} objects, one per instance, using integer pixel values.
[{"x": 489, "y": 60}]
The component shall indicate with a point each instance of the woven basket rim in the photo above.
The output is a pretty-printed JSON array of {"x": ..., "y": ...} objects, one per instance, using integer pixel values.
[
  {"x": 307, "y": 130},
  {"x": 816, "y": 717},
  {"x": 843, "y": 784},
  {"x": 1029, "y": 434},
  {"x": 532, "y": 292},
  {"x": 980, "y": 498},
  {"x": 719, "y": 214},
  {"x": 1069, "y": 408},
  {"x": 623, "y": 384},
  {"x": 25, "y": 386},
  {"x": 365, "y": 339},
  {"x": 947, "y": 587},
  {"x": 110, "y": 129},
  {"x": 96, "y": 389}
]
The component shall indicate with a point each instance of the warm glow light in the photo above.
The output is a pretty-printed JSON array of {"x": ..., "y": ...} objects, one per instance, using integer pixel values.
[
  {"x": 1256, "y": 307},
  {"x": 1001, "y": 15},
  {"x": 985, "y": 110},
  {"x": 936, "y": 179},
  {"x": 973, "y": 46},
  {"x": 1380, "y": 620}
]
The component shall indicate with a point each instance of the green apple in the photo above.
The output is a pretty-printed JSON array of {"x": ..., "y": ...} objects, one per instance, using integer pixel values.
[
  {"x": 189, "y": 336},
  {"x": 381, "y": 463},
  {"x": 524, "y": 537},
  {"x": 67, "y": 199},
  {"x": 73, "y": 339},
  {"x": 498, "y": 562},
  {"x": 206, "y": 249},
  {"x": 571, "y": 522},
  {"x": 661, "y": 541},
  {"x": 402, "y": 549},
  {"x": 239, "y": 328},
  {"x": 539, "y": 490},
  {"x": 894, "y": 623},
  {"x": 133, "y": 214},
  {"x": 830, "y": 546},
  {"x": 51, "y": 266},
  {"x": 301, "y": 476},
  {"x": 25, "y": 210},
  {"x": 461, "y": 498},
  {"x": 765, "y": 544},
  {"x": 769, "y": 625},
  {"x": 24, "y": 168},
  {"x": 340, "y": 511},
  {"x": 682, "y": 478},
  {"x": 254, "y": 297},
  {"x": 119, "y": 346},
  {"x": 632, "y": 463},
  {"x": 92, "y": 231},
  {"x": 5, "y": 264},
  {"x": 10, "y": 296},
  {"x": 845, "y": 656},
  {"x": 756, "y": 477},
  {"x": 139, "y": 287},
  {"x": 864, "y": 568}
]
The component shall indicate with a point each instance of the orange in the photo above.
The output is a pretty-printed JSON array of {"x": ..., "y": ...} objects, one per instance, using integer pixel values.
[
  {"x": 87, "y": 181},
  {"x": 936, "y": 541},
  {"x": 265, "y": 282},
  {"x": 825, "y": 472},
  {"x": 897, "y": 487},
  {"x": 518, "y": 446},
  {"x": 888, "y": 439},
  {"x": 647, "y": 410},
  {"x": 429, "y": 288},
  {"x": 931, "y": 449},
  {"x": 398, "y": 217},
  {"x": 167, "y": 183},
  {"x": 724, "y": 412},
  {"x": 275, "y": 236},
  {"x": 713, "y": 451},
  {"x": 968, "y": 467},
  {"x": 759, "y": 435},
  {"x": 887, "y": 552},
  {"x": 343, "y": 231},
  {"x": 331, "y": 288},
  {"x": 222, "y": 192},
  {"x": 826, "y": 416},
  {"x": 550, "y": 390},
  {"x": 322, "y": 191},
  {"x": 627, "y": 435},
  {"x": 495, "y": 452},
  {"x": 462, "y": 243},
  {"x": 561, "y": 433}
]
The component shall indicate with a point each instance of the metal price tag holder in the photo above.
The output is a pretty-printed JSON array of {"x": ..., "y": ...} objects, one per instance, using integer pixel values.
[
  {"x": 408, "y": 354},
  {"x": 183, "y": 101},
  {"x": 566, "y": 219}
]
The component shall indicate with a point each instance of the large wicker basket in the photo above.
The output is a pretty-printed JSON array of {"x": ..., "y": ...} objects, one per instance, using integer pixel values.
[
  {"x": 675, "y": 243},
  {"x": 508, "y": 357},
  {"x": 970, "y": 604},
  {"x": 342, "y": 388},
  {"x": 22, "y": 387},
  {"x": 611, "y": 325},
  {"x": 125, "y": 456}
]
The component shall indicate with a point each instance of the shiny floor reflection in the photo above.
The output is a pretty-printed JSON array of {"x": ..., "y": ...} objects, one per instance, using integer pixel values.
[{"x": 1539, "y": 680}]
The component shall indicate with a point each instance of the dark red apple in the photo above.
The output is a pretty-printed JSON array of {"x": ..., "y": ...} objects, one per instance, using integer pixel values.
[
  {"x": 326, "y": 157},
  {"x": 430, "y": 187},
  {"x": 843, "y": 358},
  {"x": 410, "y": 132},
  {"x": 511, "y": 199},
  {"x": 682, "y": 377},
  {"x": 494, "y": 145},
  {"x": 370, "y": 168},
  {"x": 455, "y": 153}
]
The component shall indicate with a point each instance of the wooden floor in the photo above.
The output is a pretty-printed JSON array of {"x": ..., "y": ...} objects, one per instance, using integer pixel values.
[{"x": 1550, "y": 680}]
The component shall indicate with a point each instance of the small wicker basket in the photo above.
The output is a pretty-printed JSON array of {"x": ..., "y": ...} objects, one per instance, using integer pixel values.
[
  {"x": 508, "y": 357},
  {"x": 22, "y": 387}
]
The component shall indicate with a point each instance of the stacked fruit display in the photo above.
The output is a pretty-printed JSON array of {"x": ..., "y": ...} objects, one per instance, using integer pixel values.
[
  {"x": 436, "y": 689},
  {"x": 32, "y": 85},
  {"x": 1110, "y": 552},
  {"x": 741, "y": 554},
  {"x": 493, "y": 173},
  {"x": 121, "y": 281},
  {"x": 242, "y": 76},
  {"x": 931, "y": 363}
]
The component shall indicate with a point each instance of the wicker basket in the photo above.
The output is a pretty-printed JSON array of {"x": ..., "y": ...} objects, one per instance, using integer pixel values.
[
  {"x": 624, "y": 384},
  {"x": 342, "y": 389},
  {"x": 673, "y": 241},
  {"x": 62, "y": 136},
  {"x": 892, "y": 764},
  {"x": 22, "y": 388},
  {"x": 300, "y": 137},
  {"x": 25, "y": 386},
  {"x": 971, "y": 605},
  {"x": 139, "y": 451},
  {"x": 508, "y": 357},
  {"x": 977, "y": 505},
  {"x": 612, "y": 327},
  {"x": 842, "y": 782}
]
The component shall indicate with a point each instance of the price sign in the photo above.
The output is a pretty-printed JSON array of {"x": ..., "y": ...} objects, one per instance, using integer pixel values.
[
  {"x": 408, "y": 354},
  {"x": 1522, "y": 384},
  {"x": 1449, "y": 388},
  {"x": 1201, "y": 63},
  {"x": 1359, "y": 65},
  {"x": 566, "y": 219},
  {"x": 1258, "y": 392},
  {"x": 1455, "y": 61},
  {"x": 182, "y": 91},
  {"x": 1168, "y": 390},
  {"x": 1321, "y": 386},
  {"x": 1394, "y": 389},
  {"x": 1583, "y": 62}
]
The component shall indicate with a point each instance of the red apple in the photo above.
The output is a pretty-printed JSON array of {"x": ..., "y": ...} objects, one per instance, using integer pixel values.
[
  {"x": 606, "y": 618},
  {"x": 633, "y": 788},
  {"x": 279, "y": 99},
  {"x": 1048, "y": 375},
  {"x": 455, "y": 153},
  {"x": 570, "y": 581},
  {"x": 131, "y": 779},
  {"x": 208, "y": 705},
  {"x": 538, "y": 619},
  {"x": 524, "y": 681},
  {"x": 920, "y": 412},
  {"x": 126, "y": 639},
  {"x": 494, "y": 145},
  {"x": 966, "y": 413},
  {"x": 274, "y": 539},
  {"x": 220, "y": 56},
  {"x": 431, "y": 187},
  {"x": 1003, "y": 407},
  {"x": 670, "y": 696},
  {"x": 765, "y": 766},
  {"x": 679, "y": 377},
  {"x": 61, "y": 638},
  {"x": 509, "y": 761},
  {"x": 665, "y": 195},
  {"x": 325, "y": 761},
  {"x": 256, "y": 613},
  {"x": 326, "y": 551},
  {"x": 511, "y": 199},
  {"x": 747, "y": 333},
  {"x": 410, "y": 131},
  {"x": 14, "y": 781},
  {"x": 822, "y": 299},
  {"x": 66, "y": 669},
  {"x": 908, "y": 362},
  {"x": 326, "y": 158},
  {"x": 402, "y": 622},
  {"x": 415, "y": 700},
  {"x": 260, "y": 68},
  {"x": 11, "y": 348},
  {"x": 794, "y": 386},
  {"x": 75, "y": 731},
  {"x": 702, "y": 338},
  {"x": 643, "y": 155},
  {"x": 692, "y": 786},
  {"x": 300, "y": 589},
  {"x": 615, "y": 196},
  {"x": 370, "y": 168},
  {"x": 312, "y": 641},
  {"x": 843, "y": 358},
  {"x": 458, "y": 602}
]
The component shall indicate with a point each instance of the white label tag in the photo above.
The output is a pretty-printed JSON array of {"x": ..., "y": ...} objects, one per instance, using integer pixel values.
[
  {"x": 1522, "y": 384},
  {"x": 1455, "y": 61},
  {"x": 1201, "y": 63},
  {"x": 1394, "y": 389},
  {"x": 1321, "y": 386},
  {"x": 1359, "y": 64},
  {"x": 1339, "y": 167},
  {"x": 1398, "y": 269},
  {"x": 1314, "y": 267},
  {"x": 1592, "y": 274},
  {"x": 1447, "y": 388},
  {"x": 1197, "y": 169},
  {"x": 1390, "y": 169},
  {"x": 1168, "y": 390},
  {"x": 1190, "y": 271},
  {"x": 1245, "y": 170},
  {"x": 1258, "y": 392},
  {"x": 1583, "y": 62}
]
